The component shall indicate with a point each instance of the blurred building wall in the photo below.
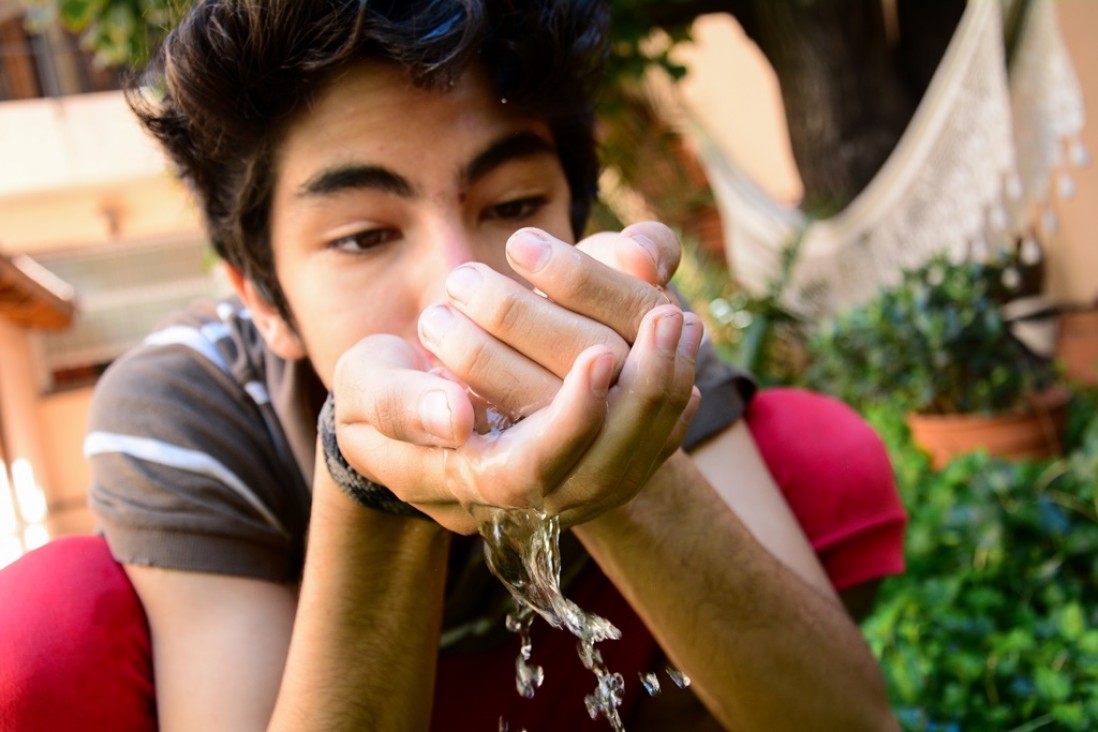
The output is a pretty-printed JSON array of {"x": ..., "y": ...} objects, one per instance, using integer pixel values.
[{"x": 76, "y": 173}]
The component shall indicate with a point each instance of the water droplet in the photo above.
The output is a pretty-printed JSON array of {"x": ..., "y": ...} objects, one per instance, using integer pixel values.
[
  {"x": 680, "y": 679},
  {"x": 522, "y": 549},
  {"x": 650, "y": 682},
  {"x": 528, "y": 677}
]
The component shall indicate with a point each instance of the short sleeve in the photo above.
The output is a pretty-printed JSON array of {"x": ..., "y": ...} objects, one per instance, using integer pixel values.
[
  {"x": 185, "y": 473},
  {"x": 725, "y": 391}
]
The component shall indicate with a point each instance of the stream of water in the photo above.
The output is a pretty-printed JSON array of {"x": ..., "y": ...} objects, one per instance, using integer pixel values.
[{"x": 522, "y": 549}]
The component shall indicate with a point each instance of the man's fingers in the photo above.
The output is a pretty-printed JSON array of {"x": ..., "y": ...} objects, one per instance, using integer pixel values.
[
  {"x": 591, "y": 300},
  {"x": 515, "y": 467},
  {"x": 532, "y": 325},
  {"x": 654, "y": 390},
  {"x": 647, "y": 250},
  {"x": 381, "y": 382},
  {"x": 581, "y": 284},
  {"x": 500, "y": 374}
]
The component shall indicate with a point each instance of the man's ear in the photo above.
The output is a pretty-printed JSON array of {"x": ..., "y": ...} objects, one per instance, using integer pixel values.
[{"x": 280, "y": 337}]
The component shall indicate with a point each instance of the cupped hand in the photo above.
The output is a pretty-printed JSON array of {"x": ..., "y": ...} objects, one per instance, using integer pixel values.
[
  {"x": 596, "y": 364},
  {"x": 514, "y": 344},
  {"x": 593, "y": 447}
]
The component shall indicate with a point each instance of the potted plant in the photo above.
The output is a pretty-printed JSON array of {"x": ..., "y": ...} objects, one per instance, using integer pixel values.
[
  {"x": 936, "y": 345},
  {"x": 993, "y": 624},
  {"x": 1077, "y": 343}
]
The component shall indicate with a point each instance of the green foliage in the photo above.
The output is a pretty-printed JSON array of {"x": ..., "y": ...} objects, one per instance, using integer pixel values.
[
  {"x": 752, "y": 331},
  {"x": 935, "y": 343},
  {"x": 124, "y": 32},
  {"x": 120, "y": 32},
  {"x": 994, "y": 625},
  {"x": 633, "y": 50}
]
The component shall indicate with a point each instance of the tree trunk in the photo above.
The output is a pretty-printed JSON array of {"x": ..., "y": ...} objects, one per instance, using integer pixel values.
[{"x": 849, "y": 89}]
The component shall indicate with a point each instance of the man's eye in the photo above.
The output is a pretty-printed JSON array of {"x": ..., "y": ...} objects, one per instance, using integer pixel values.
[
  {"x": 517, "y": 210},
  {"x": 363, "y": 240}
]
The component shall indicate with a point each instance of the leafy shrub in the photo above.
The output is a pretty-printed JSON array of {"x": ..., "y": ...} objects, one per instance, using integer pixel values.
[
  {"x": 934, "y": 343},
  {"x": 994, "y": 625}
]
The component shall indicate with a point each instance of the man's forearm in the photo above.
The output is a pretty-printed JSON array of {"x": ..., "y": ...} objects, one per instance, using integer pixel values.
[
  {"x": 365, "y": 640},
  {"x": 765, "y": 650}
]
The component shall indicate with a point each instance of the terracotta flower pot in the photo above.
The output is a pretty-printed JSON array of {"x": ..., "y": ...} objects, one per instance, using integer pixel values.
[
  {"x": 1034, "y": 434},
  {"x": 1077, "y": 345}
]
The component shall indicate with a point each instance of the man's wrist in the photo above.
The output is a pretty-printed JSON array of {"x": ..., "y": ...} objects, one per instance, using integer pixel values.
[
  {"x": 361, "y": 489},
  {"x": 669, "y": 477}
]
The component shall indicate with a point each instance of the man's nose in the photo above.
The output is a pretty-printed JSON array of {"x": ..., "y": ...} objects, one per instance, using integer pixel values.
[
  {"x": 457, "y": 249},
  {"x": 451, "y": 248}
]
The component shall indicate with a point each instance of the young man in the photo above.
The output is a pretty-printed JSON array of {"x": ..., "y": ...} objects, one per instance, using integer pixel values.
[{"x": 394, "y": 188}]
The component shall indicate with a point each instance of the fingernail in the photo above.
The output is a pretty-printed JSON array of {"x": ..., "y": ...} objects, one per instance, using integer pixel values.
[
  {"x": 602, "y": 370},
  {"x": 668, "y": 330},
  {"x": 434, "y": 413},
  {"x": 463, "y": 282},
  {"x": 692, "y": 333},
  {"x": 649, "y": 248},
  {"x": 529, "y": 250},
  {"x": 434, "y": 322}
]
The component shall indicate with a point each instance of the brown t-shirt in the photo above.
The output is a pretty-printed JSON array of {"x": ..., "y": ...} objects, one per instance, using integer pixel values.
[{"x": 201, "y": 444}]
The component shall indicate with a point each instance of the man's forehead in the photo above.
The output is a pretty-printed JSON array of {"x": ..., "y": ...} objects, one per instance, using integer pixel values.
[{"x": 371, "y": 127}]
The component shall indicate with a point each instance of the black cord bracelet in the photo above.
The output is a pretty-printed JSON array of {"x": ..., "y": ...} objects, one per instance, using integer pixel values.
[{"x": 363, "y": 490}]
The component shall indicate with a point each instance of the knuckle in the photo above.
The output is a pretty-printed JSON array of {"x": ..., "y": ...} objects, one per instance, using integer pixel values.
[
  {"x": 619, "y": 348},
  {"x": 649, "y": 396},
  {"x": 596, "y": 336},
  {"x": 678, "y": 398},
  {"x": 506, "y": 312},
  {"x": 643, "y": 299},
  {"x": 570, "y": 278},
  {"x": 470, "y": 359},
  {"x": 385, "y": 414}
]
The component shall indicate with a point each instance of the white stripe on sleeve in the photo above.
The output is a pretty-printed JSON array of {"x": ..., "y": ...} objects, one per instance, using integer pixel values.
[{"x": 173, "y": 456}]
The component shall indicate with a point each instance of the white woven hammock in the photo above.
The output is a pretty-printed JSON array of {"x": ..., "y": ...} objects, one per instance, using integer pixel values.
[{"x": 973, "y": 167}]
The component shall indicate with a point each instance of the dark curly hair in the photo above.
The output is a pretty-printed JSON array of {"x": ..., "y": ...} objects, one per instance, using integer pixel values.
[{"x": 229, "y": 77}]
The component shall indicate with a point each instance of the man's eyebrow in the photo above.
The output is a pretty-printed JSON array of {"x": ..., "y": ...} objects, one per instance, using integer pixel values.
[
  {"x": 355, "y": 177},
  {"x": 511, "y": 147}
]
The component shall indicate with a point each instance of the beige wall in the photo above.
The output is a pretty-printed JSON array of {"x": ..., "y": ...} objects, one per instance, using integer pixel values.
[
  {"x": 734, "y": 94},
  {"x": 94, "y": 214},
  {"x": 1073, "y": 258},
  {"x": 79, "y": 171},
  {"x": 24, "y": 433},
  {"x": 75, "y": 173},
  {"x": 63, "y": 418}
]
